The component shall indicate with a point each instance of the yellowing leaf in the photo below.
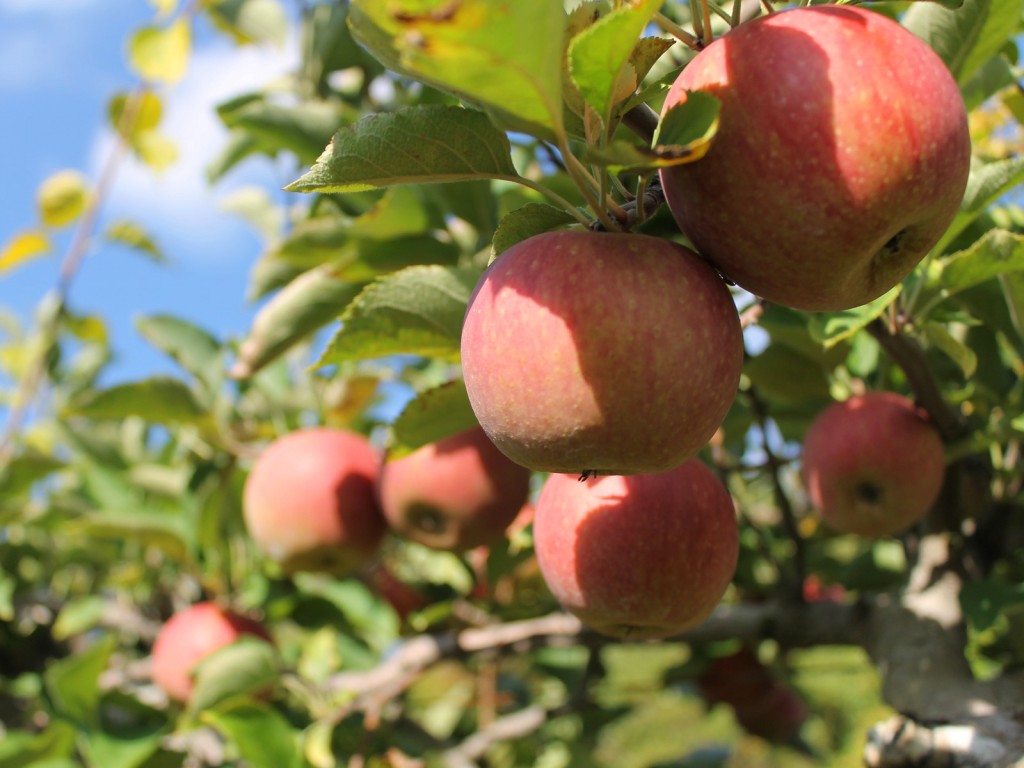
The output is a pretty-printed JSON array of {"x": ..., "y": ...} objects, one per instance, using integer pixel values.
[
  {"x": 164, "y": 8},
  {"x": 23, "y": 247},
  {"x": 62, "y": 198},
  {"x": 155, "y": 149},
  {"x": 135, "y": 113},
  {"x": 161, "y": 55}
]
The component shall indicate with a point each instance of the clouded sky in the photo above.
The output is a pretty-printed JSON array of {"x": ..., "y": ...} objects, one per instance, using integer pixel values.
[{"x": 60, "y": 62}]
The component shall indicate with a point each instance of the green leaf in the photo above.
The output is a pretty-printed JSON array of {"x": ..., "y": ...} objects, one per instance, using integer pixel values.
[
  {"x": 160, "y": 399},
  {"x": 73, "y": 682},
  {"x": 21, "y": 472},
  {"x": 263, "y": 737},
  {"x": 830, "y": 328},
  {"x": 599, "y": 54},
  {"x": 254, "y": 205},
  {"x": 993, "y": 76},
  {"x": 308, "y": 302},
  {"x": 161, "y": 54},
  {"x": 684, "y": 135},
  {"x": 129, "y": 748},
  {"x": 246, "y": 666},
  {"x": 987, "y": 183},
  {"x": 432, "y": 415},
  {"x": 425, "y": 144},
  {"x": 303, "y": 128},
  {"x": 190, "y": 346},
  {"x": 937, "y": 335},
  {"x": 78, "y": 615},
  {"x": 504, "y": 57},
  {"x": 525, "y": 222},
  {"x": 996, "y": 253},
  {"x": 360, "y": 606},
  {"x": 168, "y": 534},
  {"x": 251, "y": 21},
  {"x": 19, "y": 749},
  {"x": 130, "y": 234},
  {"x": 418, "y": 311},
  {"x": 967, "y": 37}
]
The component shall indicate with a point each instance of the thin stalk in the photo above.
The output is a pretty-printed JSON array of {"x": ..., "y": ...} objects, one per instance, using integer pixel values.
[
  {"x": 706, "y": 22},
  {"x": 556, "y": 198},
  {"x": 677, "y": 31}
]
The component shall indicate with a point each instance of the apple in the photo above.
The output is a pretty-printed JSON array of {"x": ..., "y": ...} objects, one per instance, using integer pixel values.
[
  {"x": 873, "y": 465},
  {"x": 637, "y": 556},
  {"x": 841, "y": 156},
  {"x": 191, "y": 635},
  {"x": 458, "y": 493},
  {"x": 310, "y": 501},
  {"x": 600, "y": 353}
]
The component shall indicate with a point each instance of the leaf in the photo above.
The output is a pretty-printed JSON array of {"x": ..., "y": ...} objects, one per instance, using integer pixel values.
[
  {"x": 19, "y": 749},
  {"x": 996, "y": 253},
  {"x": 246, "y": 666},
  {"x": 128, "y": 748},
  {"x": 78, "y": 615},
  {"x": 21, "y": 472},
  {"x": 987, "y": 183},
  {"x": 190, "y": 346},
  {"x": 418, "y": 311},
  {"x": 689, "y": 125},
  {"x": 168, "y": 534},
  {"x": 156, "y": 150},
  {"x": 62, "y": 198},
  {"x": 598, "y": 55},
  {"x": 161, "y": 54},
  {"x": 254, "y": 205},
  {"x": 308, "y": 302},
  {"x": 73, "y": 682},
  {"x": 132, "y": 235},
  {"x": 938, "y": 336},
  {"x": 160, "y": 399},
  {"x": 423, "y": 144},
  {"x": 830, "y": 328},
  {"x": 22, "y": 248},
  {"x": 525, "y": 222},
  {"x": 432, "y": 415},
  {"x": 303, "y": 128},
  {"x": 251, "y": 21},
  {"x": 499, "y": 55},
  {"x": 263, "y": 737},
  {"x": 967, "y": 37},
  {"x": 132, "y": 114}
]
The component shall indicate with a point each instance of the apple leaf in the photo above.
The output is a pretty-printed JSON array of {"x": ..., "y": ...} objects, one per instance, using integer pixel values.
[
  {"x": 73, "y": 683},
  {"x": 417, "y": 310},
  {"x": 986, "y": 184},
  {"x": 132, "y": 235},
  {"x": 938, "y": 336},
  {"x": 525, "y": 222},
  {"x": 422, "y": 144},
  {"x": 965, "y": 37},
  {"x": 599, "y": 54},
  {"x": 161, "y": 399},
  {"x": 497, "y": 55},
  {"x": 23, "y": 247},
  {"x": 247, "y": 665},
  {"x": 168, "y": 534},
  {"x": 308, "y": 302},
  {"x": 160, "y": 55},
  {"x": 20, "y": 473},
  {"x": 62, "y": 198},
  {"x": 190, "y": 346},
  {"x": 830, "y": 328},
  {"x": 432, "y": 415},
  {"x": 997, "y": 253},
  {"x": 265, "y": 739}
]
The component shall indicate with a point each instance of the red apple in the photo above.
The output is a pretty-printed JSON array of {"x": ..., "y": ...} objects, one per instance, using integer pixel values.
[
  {"x": 588, "y": 352},
  {"x": 310, "y": 501},
  {"x": 455, "y": 494},
  {"x": 873, "y": 465},
  {"x": 841, "y": 156},
  {"x": 637, "y": 556},
  {"x": 191, "y": 635}
]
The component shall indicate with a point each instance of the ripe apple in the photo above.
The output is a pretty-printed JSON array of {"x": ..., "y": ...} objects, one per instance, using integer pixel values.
[
  {"x": 310, "y": 501},
  {"x": 588, "y": 352},
  {"x": 191, "y": 635},
  {"x": 873, "y": 465},
  {"x": 841, "y": 156},
  {"x": 637, "y": 556},
  {"x": 458, "y": 493}
]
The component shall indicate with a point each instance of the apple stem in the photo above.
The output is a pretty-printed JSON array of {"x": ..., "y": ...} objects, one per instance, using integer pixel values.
[
  {"x": 768, "y": 7},
  {"x": 706, "y": 22}
]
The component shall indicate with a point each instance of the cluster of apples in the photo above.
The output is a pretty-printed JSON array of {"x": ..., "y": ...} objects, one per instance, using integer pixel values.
[{"x": 841, "y": 156}]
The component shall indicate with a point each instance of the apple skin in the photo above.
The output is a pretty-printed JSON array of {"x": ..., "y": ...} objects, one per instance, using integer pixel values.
[
  {"x": 873, "y": 465},
  {"x": 458, "y": 493},
  {"x": 191, "y": 635},
  {"x": 637, "y": 556},
  {"x": 310, "y": 501},
  {"x": 600, "y": 353},
  {"x": 841, "y": 156}
]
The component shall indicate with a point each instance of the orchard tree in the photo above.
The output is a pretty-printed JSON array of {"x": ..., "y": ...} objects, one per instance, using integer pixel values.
[{"x": 720, "y": 306}]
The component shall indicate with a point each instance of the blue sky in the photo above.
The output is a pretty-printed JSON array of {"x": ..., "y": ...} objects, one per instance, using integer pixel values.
[{"x": 60, "y": 62}]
